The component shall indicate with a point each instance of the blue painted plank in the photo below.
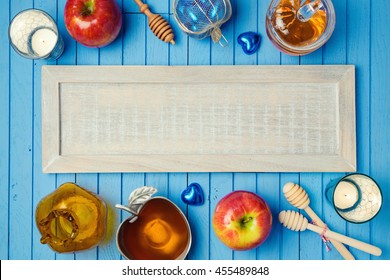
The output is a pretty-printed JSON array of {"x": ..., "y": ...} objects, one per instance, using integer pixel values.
[
  {"x": 380, "y": 132},
  {"x": 130, "y": 182},
  {"x": 68, "y": 57},
  {"x": 21, "y": 110},
  {"x": 4, "y": 129},
  {"x": 289, "y": 59},
  {"x": 177, "y": 183},
  {"x": 178, "y": 54},
  {"x": 221, "y": 184},
  {"x": 245, "y": 20},
  {"x": 313, "y": 58},
  {"x": 159, "y": 181},
  {"x": 112, "y": 54},
  {"x": 334, "y": 51},
  {"x": 290, "y": 239},
  {"x": 156, "y": 50},
  {"x": 199, "y": 51},
  {"x": 199, "y": 219},
  {"x": 129, "y": 6},
  {"x": 247, "y": 182},
  {"x": 110, "y": 191},
  {"x": 310, "y": 243},
  {"x": 42, "y": 184},
  {"x": 267, "y": 187},
  {"x": 224, "y": 55},
  {"x": 358, "y": 53},
  {"x": 134, "y": 39},
  {"x": 267, "y": 53},
  {"x": 86, "y": 55}
]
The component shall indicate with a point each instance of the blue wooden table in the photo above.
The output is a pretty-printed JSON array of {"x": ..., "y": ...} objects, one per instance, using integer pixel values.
[{"x": 361, "y": 37}]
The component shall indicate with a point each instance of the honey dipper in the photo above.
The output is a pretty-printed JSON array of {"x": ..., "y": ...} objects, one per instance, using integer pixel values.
[
  {"x": 297, "y": 222},
  {"x": 298, "y": 197},
  {"x": 159, "y": 26}
]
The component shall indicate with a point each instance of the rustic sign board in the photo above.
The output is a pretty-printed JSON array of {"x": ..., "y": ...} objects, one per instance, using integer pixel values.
[{"x": 198, "y": 119}]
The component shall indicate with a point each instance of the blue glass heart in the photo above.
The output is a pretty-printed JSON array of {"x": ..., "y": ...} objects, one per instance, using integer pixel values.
[
  {"x": 249, "y": 41},
  {"x": 193, "y": 194}
]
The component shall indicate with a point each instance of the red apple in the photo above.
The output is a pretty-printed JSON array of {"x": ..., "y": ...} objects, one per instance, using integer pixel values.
[
  {"x": 242, "y": 220},
  {"x": 93, "y": 23}
]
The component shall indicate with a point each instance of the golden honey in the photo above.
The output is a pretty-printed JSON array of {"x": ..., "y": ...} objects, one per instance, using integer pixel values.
[
  {"x": 160, "y": 232},
  {"x": 292, "y": 32}
]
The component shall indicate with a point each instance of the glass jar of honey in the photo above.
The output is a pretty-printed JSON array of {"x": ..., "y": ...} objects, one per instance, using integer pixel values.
[
  {"x": 299, "y": 27},
  {"x": 71, "y": 219}
]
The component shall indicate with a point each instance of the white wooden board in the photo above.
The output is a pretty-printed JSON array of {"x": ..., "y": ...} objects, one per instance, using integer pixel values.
[{"x": 198, "y": 119}]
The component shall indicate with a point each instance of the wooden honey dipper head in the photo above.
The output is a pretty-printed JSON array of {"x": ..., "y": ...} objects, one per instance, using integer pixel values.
[
  {"x": 293, "y": 220},
  {"x": 159, "y": 26},
  {"x": 296, "y": 195}
]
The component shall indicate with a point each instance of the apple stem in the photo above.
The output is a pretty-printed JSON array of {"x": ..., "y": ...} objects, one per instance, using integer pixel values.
[
  {"x": 89, "y": 7},
  {"x": 245, "y": 220}
]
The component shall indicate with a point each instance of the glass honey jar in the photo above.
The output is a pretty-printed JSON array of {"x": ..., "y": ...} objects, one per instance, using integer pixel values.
[
  {"x": 71, "y": 219},
  {"x": 299, "y": 27}
]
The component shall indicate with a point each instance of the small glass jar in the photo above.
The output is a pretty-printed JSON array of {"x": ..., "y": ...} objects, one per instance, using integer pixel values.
[
  {"x": 299, "y": 27},
  {"x": 356, "y": 197},
  {"x": 71, "y": 219},
  {"x": 34, "y": 35}
]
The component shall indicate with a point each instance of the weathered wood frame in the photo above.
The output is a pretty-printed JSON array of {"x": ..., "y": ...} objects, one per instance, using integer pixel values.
[{"x": 341, "y": 79}]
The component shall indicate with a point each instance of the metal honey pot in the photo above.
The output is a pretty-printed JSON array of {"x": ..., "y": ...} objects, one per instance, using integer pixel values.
[{"x": 156, "y": 230}]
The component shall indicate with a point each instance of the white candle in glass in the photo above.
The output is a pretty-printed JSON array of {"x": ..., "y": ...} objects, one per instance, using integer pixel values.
[
  {"x": 34, "y": 35},
  {"x": 345, "y": 195},
  {"x": 43, "y": 41}
]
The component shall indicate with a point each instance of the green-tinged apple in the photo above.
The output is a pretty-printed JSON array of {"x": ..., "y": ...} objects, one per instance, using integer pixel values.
[
  {"x": 93, "y": 23},
  {"x": 242, "y": 220}
]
